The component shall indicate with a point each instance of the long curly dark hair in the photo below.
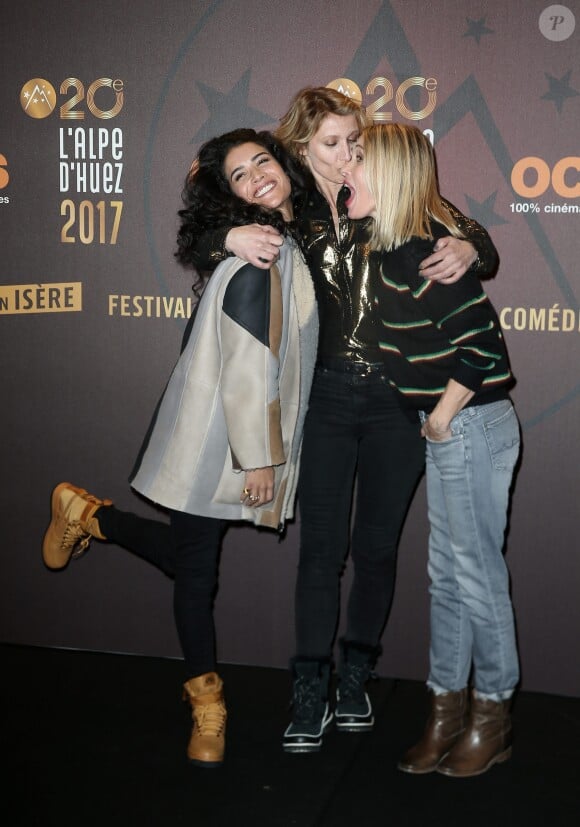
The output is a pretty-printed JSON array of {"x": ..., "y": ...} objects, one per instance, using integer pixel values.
[{"x": 209, "y": 202}]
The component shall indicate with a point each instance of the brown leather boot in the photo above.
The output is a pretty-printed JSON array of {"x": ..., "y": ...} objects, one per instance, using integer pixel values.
[
  {"x": 208, "y": 710},
  {"x": 446, "y": 722},
  {"x": 485, "y": 742},
  {"x": 72, "y": 525}
]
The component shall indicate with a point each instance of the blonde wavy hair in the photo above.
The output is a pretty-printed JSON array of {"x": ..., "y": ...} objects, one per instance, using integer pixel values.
[
  {"x": 401, "y": 174},
  {"x": 306, "y": 112}
]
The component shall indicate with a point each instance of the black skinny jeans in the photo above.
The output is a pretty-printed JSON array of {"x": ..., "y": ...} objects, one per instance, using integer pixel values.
[
  {"x": 354, "y": 426},
  {"x": 187, "y": 550}
]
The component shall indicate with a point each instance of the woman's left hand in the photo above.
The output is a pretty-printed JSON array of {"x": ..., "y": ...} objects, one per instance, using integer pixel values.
[
  {"x": 450, "y": 261},
  {"x": 437, "y": 426},
  {"x": 436, "y": 432},
  {"x": 259, "y": 487}
]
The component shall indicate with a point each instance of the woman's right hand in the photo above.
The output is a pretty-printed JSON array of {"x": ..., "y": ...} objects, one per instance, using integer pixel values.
[
  {"x": 258, "y": 244},
  {"x": 259, "y": 487}
]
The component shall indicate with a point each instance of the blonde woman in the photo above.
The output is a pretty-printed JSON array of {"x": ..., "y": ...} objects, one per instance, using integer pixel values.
[{"x": 446, "y": 359}]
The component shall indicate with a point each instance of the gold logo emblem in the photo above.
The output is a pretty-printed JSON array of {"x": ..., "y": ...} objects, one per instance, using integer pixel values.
[
  {"x": 347, "y": 87},
  {"x": 38, "y": 98}
]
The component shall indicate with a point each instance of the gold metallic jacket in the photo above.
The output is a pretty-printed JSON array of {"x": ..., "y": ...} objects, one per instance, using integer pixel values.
[{"x": 341, "y": 268}]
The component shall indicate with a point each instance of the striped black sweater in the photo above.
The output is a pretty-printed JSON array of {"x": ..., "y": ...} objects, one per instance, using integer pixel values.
[{"x": 430, "y": 333}]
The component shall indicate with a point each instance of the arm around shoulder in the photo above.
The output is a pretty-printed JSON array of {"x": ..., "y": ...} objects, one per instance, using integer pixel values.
[{"x": 486, "y": 263}]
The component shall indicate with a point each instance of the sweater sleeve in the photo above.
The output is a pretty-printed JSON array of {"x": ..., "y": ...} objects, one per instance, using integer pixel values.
[{"x": 250, "y": 335}]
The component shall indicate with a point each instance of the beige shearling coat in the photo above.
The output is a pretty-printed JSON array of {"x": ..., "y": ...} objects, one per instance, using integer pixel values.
[{"x": 238, "y": 394}]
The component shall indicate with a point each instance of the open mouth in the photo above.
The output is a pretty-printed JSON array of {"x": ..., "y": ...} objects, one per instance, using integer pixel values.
[
  {"x": 350, "y": 197},
  {"x": 264, "y": 190}
]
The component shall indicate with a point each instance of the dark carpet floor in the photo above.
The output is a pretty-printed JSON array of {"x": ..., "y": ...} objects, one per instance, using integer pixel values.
[{"x": 97, "y": 739}]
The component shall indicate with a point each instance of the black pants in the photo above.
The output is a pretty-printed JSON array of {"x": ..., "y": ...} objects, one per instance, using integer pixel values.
[
  {"x": 354, "y": 427},
  {"x": 186, "y": 549}
]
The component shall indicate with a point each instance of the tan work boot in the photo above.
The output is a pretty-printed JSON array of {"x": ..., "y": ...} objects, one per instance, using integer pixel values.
[
  {"x": 446, "y": 723},
  {"x": 486, "y": 741},
  {"x": 72, "y": 526},
  {"x": 208, "y": 710}
]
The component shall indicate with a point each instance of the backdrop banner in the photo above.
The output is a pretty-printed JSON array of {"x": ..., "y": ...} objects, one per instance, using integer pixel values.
[{"x": 102, "y": 108}]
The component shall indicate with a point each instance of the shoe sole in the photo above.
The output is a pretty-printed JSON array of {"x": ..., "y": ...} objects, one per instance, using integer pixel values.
[
  {"x": 50, "y": 531},
  {"x": 313, "y": 746},
  {"x": 303, "y": 749},
  {"x": 497, "y": 759},
  {"x": 412, "y": 771},
  {"x": 205, "y": 765},
  {"x": 353, "y": 726}
]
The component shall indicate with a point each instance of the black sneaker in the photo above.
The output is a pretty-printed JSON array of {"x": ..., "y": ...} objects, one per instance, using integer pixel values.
[
  {"x": 311, "y": 714},
  {"x": 354, "y": 712}
]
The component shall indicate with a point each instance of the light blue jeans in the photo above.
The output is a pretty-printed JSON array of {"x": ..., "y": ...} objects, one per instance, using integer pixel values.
[{"x": 468, "y": 484}]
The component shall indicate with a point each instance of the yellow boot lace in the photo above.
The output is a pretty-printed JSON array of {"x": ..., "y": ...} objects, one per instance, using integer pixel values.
[
  {"x": 210, "y": 720},
  {"x": 75, "y": 538}
]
